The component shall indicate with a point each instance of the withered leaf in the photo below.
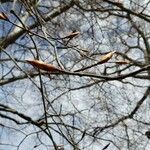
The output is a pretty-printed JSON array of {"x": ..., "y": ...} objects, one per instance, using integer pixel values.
[
  {"x": 3, "y": 16},
  {"x": 43, "y": 65},
  {"x": 72, "y": 35},
  {"x": 122, "y": 62},
  {"x": 106, "y": 57}
]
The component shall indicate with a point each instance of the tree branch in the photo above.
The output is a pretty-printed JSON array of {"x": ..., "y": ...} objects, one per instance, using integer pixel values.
[{"x": 12, "y": 37}]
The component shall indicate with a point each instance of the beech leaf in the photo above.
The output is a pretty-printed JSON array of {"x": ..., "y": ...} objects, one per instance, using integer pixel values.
[
  {"x": 122, "y": 62},
  {"x": 43, "y": 65},
  {"x": 72, "y": 35},
  {"x": 106, "y": 57},
  {"x": 3, "y": 16}
]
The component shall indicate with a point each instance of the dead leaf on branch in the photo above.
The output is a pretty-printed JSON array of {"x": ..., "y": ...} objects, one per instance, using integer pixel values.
[
  {"x": 106, "y": 57},
  {"x": 122, "y": 62},
  {"x": 3, "y": 16},
  {"x": 43, "y": 65},
  {"x": 71, "y": 35}
]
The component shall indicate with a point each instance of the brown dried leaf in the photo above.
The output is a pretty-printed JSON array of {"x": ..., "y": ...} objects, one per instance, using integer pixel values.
[
  {"x": 122, "y": 62},
  {"x": 44, "y": 66},
  {"x": 106, "y": 57},
  {"x": 72, "y": 35},
  {"x": 3, "y": 16}
]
